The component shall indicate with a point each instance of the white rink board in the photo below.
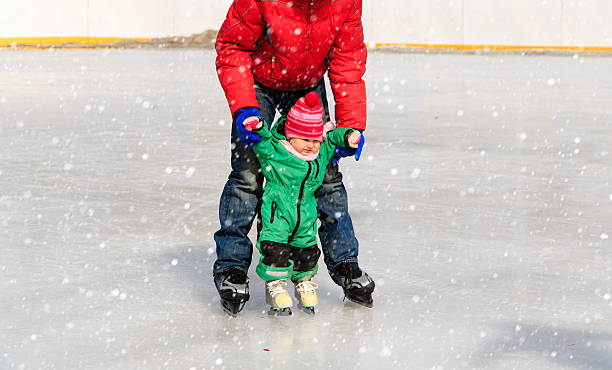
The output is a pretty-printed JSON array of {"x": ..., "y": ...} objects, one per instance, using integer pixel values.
[
  {"x": 511, "y": 22},
  {"x": 456, "y": 22},
  {"x": 134, "y": 18},
  {"x": 418, "y": 22},
  {"x": 587, "y": 22},
  {"x": 36, "y": 18}
]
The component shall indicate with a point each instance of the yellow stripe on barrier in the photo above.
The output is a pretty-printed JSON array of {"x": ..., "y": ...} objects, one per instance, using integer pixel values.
[
  {"x": 61, "y": 40},
  {"x": 497, "y": 47},
  {"x": 99, "y": 41}
]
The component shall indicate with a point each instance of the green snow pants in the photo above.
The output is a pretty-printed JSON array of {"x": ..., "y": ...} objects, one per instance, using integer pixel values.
[{"x": 287, "y": 243}]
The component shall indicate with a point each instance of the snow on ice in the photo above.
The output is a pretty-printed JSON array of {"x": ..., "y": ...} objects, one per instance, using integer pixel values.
[{"x": 481, "y": 204}]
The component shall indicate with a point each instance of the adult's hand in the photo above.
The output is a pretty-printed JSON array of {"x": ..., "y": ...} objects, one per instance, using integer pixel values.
[{"x": 247, "y": 115}]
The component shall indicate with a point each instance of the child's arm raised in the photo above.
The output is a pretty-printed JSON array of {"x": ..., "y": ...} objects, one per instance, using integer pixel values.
[
  {"x": 256, "y": 128},
  {"x": 347, "y": 138}
]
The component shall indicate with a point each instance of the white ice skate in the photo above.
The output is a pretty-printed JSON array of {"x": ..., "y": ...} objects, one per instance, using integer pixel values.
[
  {"x": 278, "y": 298},
  {"x": 306, "y": 293}
]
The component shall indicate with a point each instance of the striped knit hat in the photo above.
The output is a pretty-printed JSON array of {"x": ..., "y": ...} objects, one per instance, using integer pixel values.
[{"x": 305, "y": 119}]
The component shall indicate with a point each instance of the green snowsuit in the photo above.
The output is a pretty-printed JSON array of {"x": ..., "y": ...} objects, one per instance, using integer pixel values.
[{"x": 287, "y": 241}]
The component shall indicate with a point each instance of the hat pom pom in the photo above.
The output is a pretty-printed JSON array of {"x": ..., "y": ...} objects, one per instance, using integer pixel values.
[{"x": 312, "y": 99}]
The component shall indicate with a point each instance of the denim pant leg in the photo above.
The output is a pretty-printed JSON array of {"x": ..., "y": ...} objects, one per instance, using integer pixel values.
[
  {"x": 240, "y": 199},
  {"x": 336, "y": 232},
  {"x": 237, "y": 208}
]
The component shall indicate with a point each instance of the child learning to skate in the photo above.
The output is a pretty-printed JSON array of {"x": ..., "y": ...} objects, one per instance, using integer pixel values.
[{"x": 293, "y": 157}]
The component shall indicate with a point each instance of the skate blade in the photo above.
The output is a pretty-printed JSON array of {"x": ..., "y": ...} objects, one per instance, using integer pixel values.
[
  {"x": 307, "y": 309},
  {"x": 280, "y": 311},
  {"x": 369, "y": 304},
  {"x": 232, "y": 308},
  {"x": 229, "y": 312}
]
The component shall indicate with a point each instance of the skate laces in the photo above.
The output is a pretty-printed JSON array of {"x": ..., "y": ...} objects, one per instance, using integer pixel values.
[
  {"x": 236, "y": 276},
  {"x": 276, "y": 287},
  {"x": 351, "y": 271},
  {"x": 306, "y": 286},
  {"x": 233, "y": 279}
]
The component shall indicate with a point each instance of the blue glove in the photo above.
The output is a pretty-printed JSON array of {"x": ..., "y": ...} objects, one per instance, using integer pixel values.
[
  {"x": 249, "y": 138},
  {"x": 348, "y": 152}
]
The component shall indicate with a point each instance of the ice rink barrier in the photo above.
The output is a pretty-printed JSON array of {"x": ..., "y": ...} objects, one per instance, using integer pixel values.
[{"x": 455, "y": 24}]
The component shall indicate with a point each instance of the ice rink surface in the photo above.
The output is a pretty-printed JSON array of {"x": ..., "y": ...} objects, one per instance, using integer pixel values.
[{"x": 483, "y": 206}]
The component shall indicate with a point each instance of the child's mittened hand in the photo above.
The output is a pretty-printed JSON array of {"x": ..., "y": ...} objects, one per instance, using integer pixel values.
[
  {"x": 360, "y": 143},
  {"x": 253, "y": 123}
]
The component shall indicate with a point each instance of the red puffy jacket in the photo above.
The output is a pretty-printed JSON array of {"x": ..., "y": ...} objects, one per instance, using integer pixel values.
[{"x": 289, "y": 45}]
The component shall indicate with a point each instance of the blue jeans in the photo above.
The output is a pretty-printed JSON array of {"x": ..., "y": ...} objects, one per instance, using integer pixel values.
[{"x": 241, "y": 197}]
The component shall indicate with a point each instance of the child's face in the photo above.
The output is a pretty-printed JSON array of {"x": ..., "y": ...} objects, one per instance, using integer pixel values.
[{"x": 305, "y": 147}]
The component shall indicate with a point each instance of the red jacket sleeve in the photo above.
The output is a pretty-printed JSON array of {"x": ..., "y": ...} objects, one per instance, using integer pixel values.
[
  {"x": 235, "y": 43},
  {"x": 347, "y": 65}
]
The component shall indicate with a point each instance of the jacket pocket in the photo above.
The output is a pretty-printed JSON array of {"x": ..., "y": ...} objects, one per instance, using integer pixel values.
[
  {"x": 262, "y": 63},
  {"x": 273, "y": 211},
  {"x": 269, "y": 72}
]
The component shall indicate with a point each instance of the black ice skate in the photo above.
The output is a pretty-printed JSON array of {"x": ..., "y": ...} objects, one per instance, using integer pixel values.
[
  {"x": 358, "y": 286},
  {"x": 233, "y": 287}
]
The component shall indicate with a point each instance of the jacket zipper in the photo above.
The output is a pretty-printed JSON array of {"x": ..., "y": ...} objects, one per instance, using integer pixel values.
[
  {"x": 273, "y": 211},
  {"x": 317, "y": 173},
  {"x": 299, "y": 201}
]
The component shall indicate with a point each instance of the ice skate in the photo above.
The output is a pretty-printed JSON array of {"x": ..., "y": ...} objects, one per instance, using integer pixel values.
[
  {"x": 233, "y": 287},
  {"x": 357, "y": 284},
  {"x": 306, "y": 293},
  {"x": 278, "y": 298}
]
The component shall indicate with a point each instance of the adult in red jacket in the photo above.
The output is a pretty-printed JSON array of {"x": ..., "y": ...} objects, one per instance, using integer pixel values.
[{"x": 269, "y": 54}]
